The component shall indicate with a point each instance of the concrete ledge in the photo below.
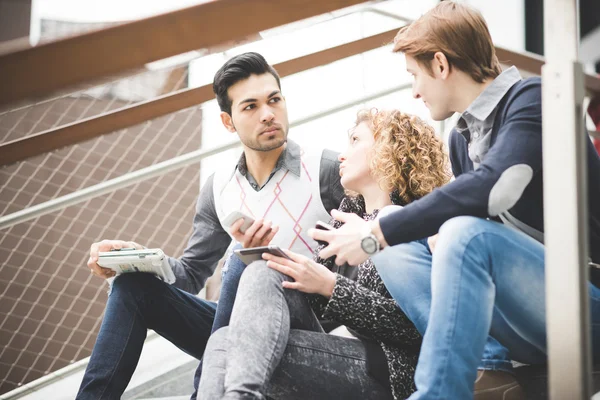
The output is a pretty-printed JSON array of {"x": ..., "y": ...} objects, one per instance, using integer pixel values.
[{"x": 534, "y": 380}]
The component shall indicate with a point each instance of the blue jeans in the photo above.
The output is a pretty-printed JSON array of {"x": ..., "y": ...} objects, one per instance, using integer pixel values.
[
  {"x": 232, "y": 272},
  {"x": 486, "y": 279},
  {"x": 139, "y": 302},
  {"x": 406, "y": 272}
]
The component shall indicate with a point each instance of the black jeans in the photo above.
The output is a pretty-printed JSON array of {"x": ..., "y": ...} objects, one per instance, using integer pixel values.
[
  {"x": 275, "y": 346},
  {"x": 139, "y": 302}
]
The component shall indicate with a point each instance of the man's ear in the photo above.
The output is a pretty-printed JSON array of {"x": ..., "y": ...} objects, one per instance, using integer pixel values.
[
  {"x": 440, "y": 65},
  {"x": 227, "y": 122}
]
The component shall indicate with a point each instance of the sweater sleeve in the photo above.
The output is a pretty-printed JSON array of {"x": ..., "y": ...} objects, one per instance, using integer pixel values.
[
  {"x": 369, "y": 314},
  {"x": 206, "y": 245},
  {"x": 494, "y": 187}
]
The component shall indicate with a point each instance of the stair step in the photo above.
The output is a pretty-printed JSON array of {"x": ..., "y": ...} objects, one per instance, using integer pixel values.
[{"x": 168, "y": 398}]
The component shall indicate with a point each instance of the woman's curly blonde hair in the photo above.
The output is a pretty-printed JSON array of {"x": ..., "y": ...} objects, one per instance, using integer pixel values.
[{"x": 407, "y": 157}]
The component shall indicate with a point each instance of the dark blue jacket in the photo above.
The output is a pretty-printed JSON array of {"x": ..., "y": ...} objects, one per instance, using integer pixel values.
[{"x": 516, "y": 139}]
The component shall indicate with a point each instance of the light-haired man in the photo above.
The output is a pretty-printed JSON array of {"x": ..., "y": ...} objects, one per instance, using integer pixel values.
[{"x": 486, "y": 291}]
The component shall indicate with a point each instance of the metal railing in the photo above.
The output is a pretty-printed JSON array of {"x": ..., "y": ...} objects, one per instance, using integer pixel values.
[
  {"x": 22, "y": 72},
  {"x": 82, "y": 59},
  {"x": 160, "y": 168},
  {"x": 125, "y": 117}
]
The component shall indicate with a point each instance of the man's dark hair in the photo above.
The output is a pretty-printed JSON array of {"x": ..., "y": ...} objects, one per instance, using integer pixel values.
[{"x": 236, "y": 69}]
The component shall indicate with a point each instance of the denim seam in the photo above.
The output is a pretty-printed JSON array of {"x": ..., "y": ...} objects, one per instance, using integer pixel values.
[
  {"x": 331, "y": 353},
  {"x": 492, "y": 275},
  {"x": 182, "y": 304},
  {"x": 282, "y": 299},
  {"x": 471, "y": 239},
  {"x": 120, "y": 357},
  {"x": 449, "y": 336},
  {"x": 493, "y": 364},
  {"x": 483, "y": 233}
]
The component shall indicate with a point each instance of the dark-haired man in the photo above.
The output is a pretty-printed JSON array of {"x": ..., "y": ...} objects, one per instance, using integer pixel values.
[{"x": 274, "y": 180}]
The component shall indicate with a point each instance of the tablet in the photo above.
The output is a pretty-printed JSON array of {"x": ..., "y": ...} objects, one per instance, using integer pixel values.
[{"x": 125, "y": 261}]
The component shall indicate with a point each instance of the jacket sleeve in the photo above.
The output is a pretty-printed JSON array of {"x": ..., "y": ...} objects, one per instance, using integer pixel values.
[
  {"x": 207, "y": 244},
  {"x": 494, "y": 187}
]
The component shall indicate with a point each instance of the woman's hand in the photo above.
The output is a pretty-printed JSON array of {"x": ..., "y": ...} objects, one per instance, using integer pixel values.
[{"x": 309, "y": 276}]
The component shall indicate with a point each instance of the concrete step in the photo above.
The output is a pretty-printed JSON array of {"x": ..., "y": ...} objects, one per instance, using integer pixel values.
[
  {"x": 175, "y": 383},
  {"x": 168, "y": 398}
]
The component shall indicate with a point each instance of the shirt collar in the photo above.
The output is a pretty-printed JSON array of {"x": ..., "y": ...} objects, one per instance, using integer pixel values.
[
  {"x": 488, "y": 100},
  {"x": 290, "y": 159}
]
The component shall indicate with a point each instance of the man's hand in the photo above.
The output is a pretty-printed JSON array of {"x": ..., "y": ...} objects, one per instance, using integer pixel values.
[
  {"x": 260, "y": 233},
  {"x": 107, "y": 245},
  {"x": 309, "y": 276},
  {"x": 344, "y": 242}
]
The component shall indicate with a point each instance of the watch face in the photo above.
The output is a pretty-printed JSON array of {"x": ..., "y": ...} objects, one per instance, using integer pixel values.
[{"x": 369, "y": 245}]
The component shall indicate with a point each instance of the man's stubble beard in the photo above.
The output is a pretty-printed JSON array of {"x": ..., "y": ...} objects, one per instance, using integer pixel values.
[{"x": 274, "y": 144}]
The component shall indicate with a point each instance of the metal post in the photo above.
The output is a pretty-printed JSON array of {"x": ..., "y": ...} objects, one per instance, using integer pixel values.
[{"x": 565, "y": 205}]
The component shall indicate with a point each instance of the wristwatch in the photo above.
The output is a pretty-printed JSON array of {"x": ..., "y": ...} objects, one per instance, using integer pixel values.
[{"x": 369, "y": 242}]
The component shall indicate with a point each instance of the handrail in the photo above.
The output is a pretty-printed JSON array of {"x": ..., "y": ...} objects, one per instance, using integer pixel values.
[
  {"x": 52, "y": 139},
  {"x": 54, "y": 66},
  {"x": 42, "y": 142},
  {"x": 532, "y": 62},
  {"x": 160, "y": 168},
  {"x": 86, "y": 129},
  {"x": 527, "y": 61}
]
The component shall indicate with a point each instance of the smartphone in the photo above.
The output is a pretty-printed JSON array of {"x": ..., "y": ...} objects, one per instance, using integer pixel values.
[
  {"x": 323, "y": 226},
  {"x": 236, "y": 215},
  {"x": 255, "y": 253}
]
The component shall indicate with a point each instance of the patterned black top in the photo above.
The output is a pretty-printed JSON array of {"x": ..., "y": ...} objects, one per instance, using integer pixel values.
[{"x": 366, "y": 307}]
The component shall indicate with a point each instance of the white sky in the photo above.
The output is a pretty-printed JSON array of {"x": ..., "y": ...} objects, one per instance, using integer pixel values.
[
  {"x": 106, "y": 10},
  {"x": 504, "y": 18}
]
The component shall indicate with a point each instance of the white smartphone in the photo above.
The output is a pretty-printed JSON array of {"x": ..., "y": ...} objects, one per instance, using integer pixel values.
[
  {"x": 236, "y": 215},
  {"x": 255, "y": 253}
]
